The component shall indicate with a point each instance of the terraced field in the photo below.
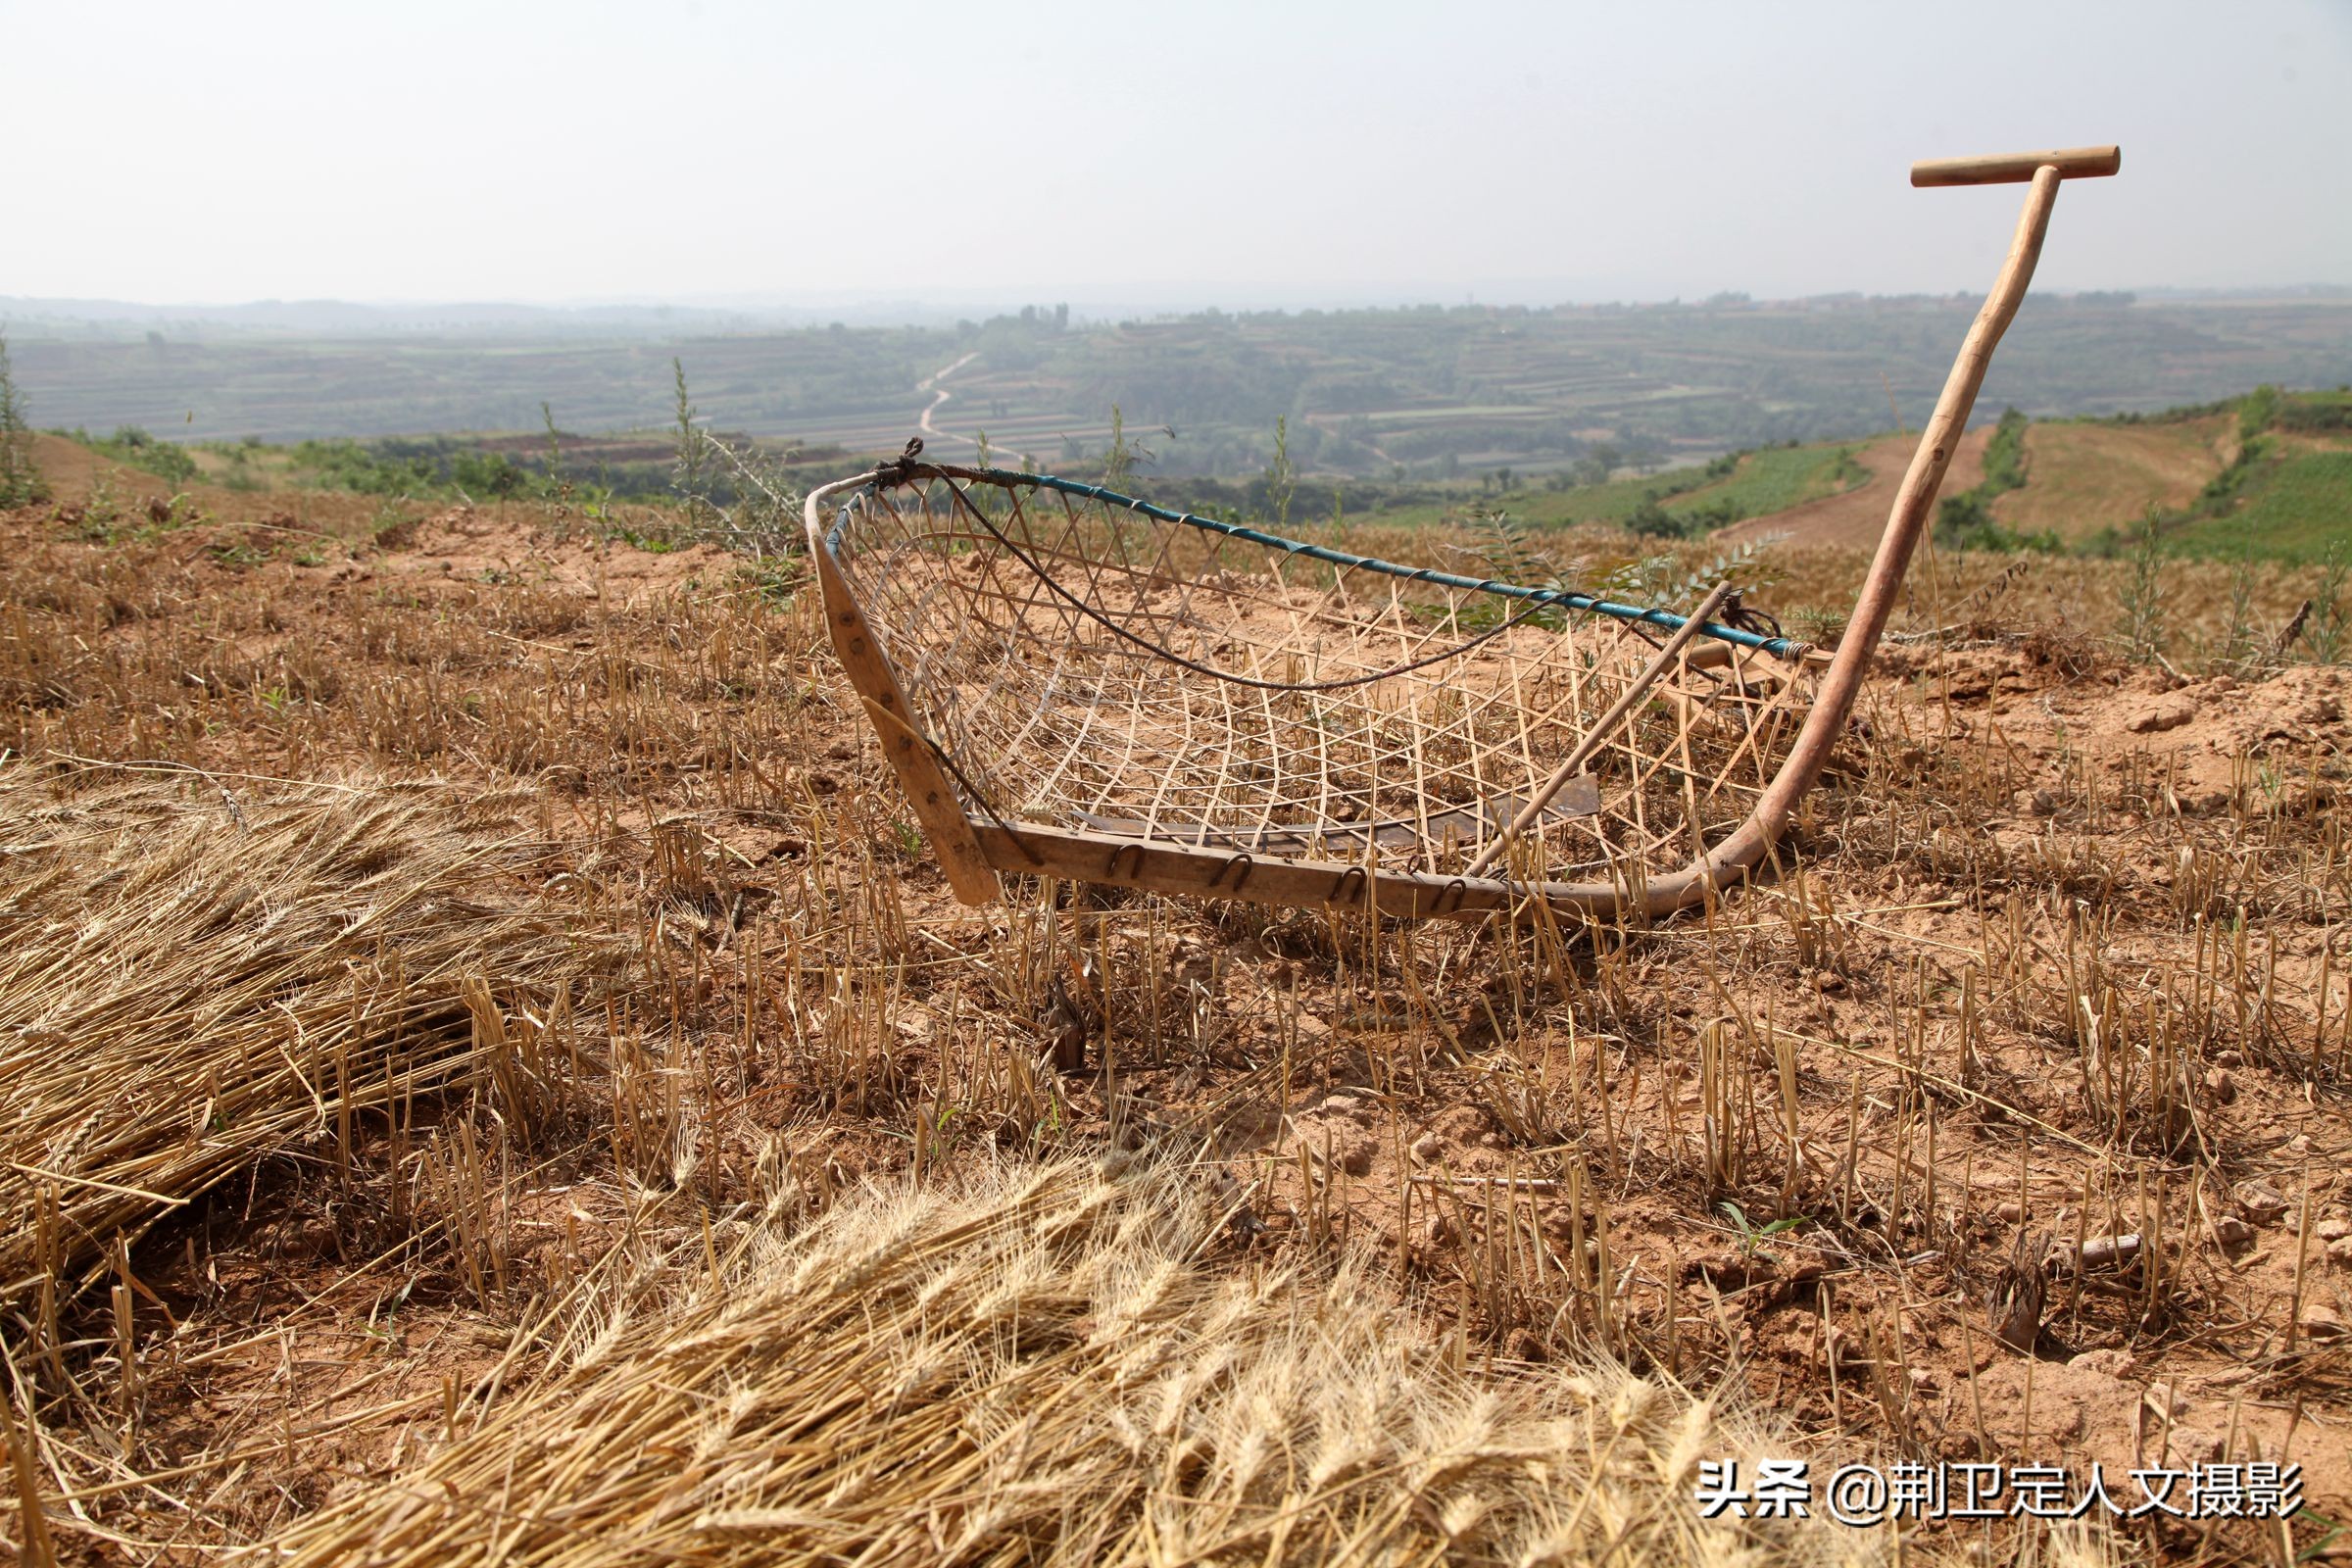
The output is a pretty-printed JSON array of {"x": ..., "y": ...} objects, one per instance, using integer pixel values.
[
  {"x": 2083, "y": 476},
  {"x": 1434, "y": 392}
]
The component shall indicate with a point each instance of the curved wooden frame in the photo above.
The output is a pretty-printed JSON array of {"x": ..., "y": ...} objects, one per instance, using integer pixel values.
[{"x": 973, "y": 850}]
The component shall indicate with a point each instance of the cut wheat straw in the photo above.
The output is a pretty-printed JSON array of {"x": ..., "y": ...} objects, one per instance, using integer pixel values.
[
  {"x": 184, "y": 991},
  {"x": 1044, "y": 1368}
]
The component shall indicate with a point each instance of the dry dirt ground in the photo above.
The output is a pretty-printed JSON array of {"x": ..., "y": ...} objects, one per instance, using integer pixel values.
[{"x": 2056, "y": 956}]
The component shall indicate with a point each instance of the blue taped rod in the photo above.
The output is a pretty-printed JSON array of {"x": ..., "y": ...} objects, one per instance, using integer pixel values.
[{"x": 1663, "y": 620}]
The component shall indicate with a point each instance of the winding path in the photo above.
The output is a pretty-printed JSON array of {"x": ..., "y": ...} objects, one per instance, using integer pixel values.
[{"x": 940, "y": 395}]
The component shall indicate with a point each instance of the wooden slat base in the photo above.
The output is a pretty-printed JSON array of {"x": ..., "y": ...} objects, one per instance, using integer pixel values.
[{"x": 1216, "y": 873}]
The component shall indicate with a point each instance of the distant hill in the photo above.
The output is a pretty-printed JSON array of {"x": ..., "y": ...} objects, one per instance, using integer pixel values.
[
  {"x": 2264, "y": 476},
  {"x": 102, "y": 321},
  {"x": 1424, "y": 395}
]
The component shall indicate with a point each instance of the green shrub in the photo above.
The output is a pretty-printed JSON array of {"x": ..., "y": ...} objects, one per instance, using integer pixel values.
[
  {"x": 346, "y": 465},
  {"x": 493, "y": 474},
  {"x": 2144, "y": 593},
  {"x": 1652, "y": 521},
  {"x": 2005, "y": 456},
  {"x": 134, "y": 448},
  {"x": 2331, "y": 613},
  {"x": 1964, "y": 521},
  {"x": 2314, "y": 412},
  {"x": 21, "y": 482},
  {"x": 2256, "y": 412}
]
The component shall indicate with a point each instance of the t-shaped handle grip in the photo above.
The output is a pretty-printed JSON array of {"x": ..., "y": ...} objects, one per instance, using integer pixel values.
[{"x": 2010, "y": 169}]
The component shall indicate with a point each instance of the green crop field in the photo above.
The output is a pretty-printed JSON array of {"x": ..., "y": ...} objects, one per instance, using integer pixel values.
[
  {"x": 1699, "y": 496},
  {"x": 2293, "y": 507},
  {"x": 1774, "y": 480}
]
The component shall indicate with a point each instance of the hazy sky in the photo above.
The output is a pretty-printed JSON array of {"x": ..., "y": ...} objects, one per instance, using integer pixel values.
[{"x": 1182, "y": 152}]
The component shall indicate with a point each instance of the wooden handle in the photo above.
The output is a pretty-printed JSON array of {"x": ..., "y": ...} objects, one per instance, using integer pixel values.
[
  {"x": 1914, "y": 504},
  {"x": 2012, "y": 169}
]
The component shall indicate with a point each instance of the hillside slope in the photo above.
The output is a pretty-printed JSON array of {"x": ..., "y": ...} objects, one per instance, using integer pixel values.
[
  {"x": 2267, "y": 475},
  {"x": 1857, "y": 516}
]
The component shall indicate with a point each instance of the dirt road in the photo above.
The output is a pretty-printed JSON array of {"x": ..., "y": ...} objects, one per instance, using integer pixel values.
[{"x": 931, "y": 432}]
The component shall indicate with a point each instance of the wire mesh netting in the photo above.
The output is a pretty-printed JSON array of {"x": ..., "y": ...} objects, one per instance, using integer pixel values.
[{"x": 1085, "y": 662}]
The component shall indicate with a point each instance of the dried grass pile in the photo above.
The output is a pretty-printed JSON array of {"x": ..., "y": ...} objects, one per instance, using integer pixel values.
[
  {"x": 1050, "y": 1365},
  {"x": 188, "y": 985}
]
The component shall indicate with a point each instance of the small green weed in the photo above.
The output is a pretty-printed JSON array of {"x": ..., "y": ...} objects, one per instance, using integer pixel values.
[
  {"x": 1752, "y": 1237},
  {"x": 2142, "y": 597}
]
